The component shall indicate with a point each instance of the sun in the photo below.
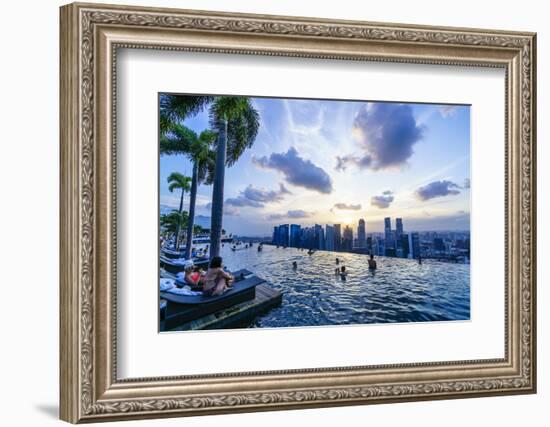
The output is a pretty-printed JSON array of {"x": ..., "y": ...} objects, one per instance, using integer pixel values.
[{"x": 346, "y": 220}]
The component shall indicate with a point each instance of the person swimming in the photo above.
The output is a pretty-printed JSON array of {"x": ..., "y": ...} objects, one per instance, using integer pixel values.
[
  {"x": 337, "y": 261},
  {"x": 294, "y": 265},
  {"x": 343, "y": 272},
  {"x": 372, "y": 263}
]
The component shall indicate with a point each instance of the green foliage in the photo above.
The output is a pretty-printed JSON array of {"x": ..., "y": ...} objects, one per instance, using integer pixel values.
[
  {"x": 243, "y": 123},
  {"x": 171, "y": 221},
  {"x": 176, "y": 108},
  {"x": 178, "y": 181}
]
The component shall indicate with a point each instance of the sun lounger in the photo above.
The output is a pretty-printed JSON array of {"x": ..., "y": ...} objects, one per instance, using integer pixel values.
[
  {"x": 171, "y": 253},
  {"x": 181, "y": 309}
]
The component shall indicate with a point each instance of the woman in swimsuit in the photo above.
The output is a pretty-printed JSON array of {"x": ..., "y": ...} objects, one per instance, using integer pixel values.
[{"x": 216, "y": 280}]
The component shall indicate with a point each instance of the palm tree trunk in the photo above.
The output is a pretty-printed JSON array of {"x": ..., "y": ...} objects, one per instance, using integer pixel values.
[
  {"x": 217, "y": 193},
  {"x": 192, "y": 201},
  {"x": 178, "y": 225}
]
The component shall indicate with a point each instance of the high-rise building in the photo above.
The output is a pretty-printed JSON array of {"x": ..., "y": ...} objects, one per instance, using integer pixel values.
[
  {"x": 439, "y": 245},
  {"x": 275, "y": 235},
  {"x": 414, "y": 245},
  {"x": 369, "y": 245},
  {"x": 347, "y": 240},
  {"x": 388, "y": 235},
  {"x": 398, "y": 228},
  {"x": 337, "y": 237},
  {"x": 319, "y": 237},
  {"x": 329, "y": 237},
  {"x": 399, "y": 237},
  {"x": 405, "y": 247},
  {"x": 361, "y": 234},
  {"x": 283, "y": 233},
  {"x": 295, "y": 232}
]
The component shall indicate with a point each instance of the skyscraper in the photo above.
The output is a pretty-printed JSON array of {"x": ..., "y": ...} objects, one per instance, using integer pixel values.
[
  {"x": 399, "y": 237},
  {"x": 319, "y": 237},
  {"x": 347, "y": 241},
  {"x": 295, "y": 232},
  {"x": 389, "y": 243},
  {"x": 361, "y": 234},
  {"x": 337, "y": 237},
  {"x": 414, "y": 245},
  {"x": 283, "y": 233},
  {"x": 398, "y": 228},
  {"x": 329, "y": 237}
]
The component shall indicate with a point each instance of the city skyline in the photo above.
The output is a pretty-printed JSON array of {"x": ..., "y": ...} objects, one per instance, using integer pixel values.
[
  {"x": 397, "y": 242},
  {"x": 328, "y": 162}
]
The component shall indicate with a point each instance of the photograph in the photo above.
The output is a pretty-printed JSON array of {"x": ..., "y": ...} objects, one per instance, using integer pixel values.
[{"x": 284, "y": 212}]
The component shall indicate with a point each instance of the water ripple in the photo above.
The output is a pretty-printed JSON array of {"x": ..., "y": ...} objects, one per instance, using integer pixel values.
[{"x": 400, "y": 290}]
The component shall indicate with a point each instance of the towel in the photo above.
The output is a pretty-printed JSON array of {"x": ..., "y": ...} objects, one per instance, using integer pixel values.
[
  {"x": 185, "y": 291},
  {"x": 166, "y": 284}
]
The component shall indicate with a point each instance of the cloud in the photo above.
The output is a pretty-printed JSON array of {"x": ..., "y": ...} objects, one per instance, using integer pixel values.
[
  {"x": 257, "y": 197},
  {"x": 346, "y": 207},
  {"x": 383, "y": 201},
  {"x": 228, "y": 210},
  {"x": 386, "y": 134},
  {"x": 437, "y": 189},
  {"x": 297, "y": 171},
  {"x": 298, "y": 213},
  {"x": 448, "y": 110}
]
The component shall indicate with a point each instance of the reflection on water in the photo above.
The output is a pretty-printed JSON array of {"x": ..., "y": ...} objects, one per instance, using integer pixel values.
[{"x": 400, "y": 290}]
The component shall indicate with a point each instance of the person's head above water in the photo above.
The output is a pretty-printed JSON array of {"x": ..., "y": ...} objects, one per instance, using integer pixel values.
[
  {"x": 343, "y": 268},
  {"x": 371, "y": 256},
  {"x": 216, "y": 262}
]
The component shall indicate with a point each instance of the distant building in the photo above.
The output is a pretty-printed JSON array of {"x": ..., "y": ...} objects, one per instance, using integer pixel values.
[
  {"x": 361, "y": 234},
  {"x": 337, "y": 237},
  {"x": 295, "y": 235},
  {"x": 388, "y": 235},
  {"x": 283, "y": 232},
  {"x": 347, "y": 240},
  {"x": 398, "y": 237},
  {"x": 329, "y": 237},
  {"x": 439, "y": 245},
  {"x": 319, "y": 237},
  {"x": 405, "y": 246},
  {"x": 369, "y": 245},
  {"x": 379, "y": 247},
  {"x": 414, "y": 245},
  {"x": 398, "y": 228}
]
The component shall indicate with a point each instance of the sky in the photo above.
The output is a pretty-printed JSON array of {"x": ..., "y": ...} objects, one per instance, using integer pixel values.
[{"x": 334, "y": 162}]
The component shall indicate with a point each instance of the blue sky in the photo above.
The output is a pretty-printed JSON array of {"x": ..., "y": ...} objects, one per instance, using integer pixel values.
[{"x": 326, "y": 162}]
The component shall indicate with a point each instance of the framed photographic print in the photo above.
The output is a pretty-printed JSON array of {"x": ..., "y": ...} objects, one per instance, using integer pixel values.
[{"x": 266, "y": 212}]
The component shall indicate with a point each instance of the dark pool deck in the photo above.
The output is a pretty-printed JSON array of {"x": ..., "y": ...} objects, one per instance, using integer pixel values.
[
  {"x": 237, "y": 310},
  {"x": 239, "y": 314}
]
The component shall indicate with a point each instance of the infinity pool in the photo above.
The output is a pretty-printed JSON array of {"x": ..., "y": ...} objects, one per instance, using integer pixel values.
[{"x": 400, "y": 290}]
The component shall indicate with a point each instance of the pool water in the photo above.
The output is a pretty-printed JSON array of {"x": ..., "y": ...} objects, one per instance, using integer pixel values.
[{"x": 400, "y": 290}]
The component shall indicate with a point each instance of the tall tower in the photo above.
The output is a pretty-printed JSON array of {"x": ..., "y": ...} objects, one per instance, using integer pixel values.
[
  {"x": 337, "y": 237},
  {"x": 398, "y": 228},
  {"x": 347, "y": 241},
  {"x": 361, "y": 234},
  {"x": 387, "y": 232}
]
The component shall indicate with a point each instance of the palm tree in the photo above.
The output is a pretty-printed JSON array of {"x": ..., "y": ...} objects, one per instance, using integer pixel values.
[
  {"x": 182, "y": 140},
  {"x": 237, "y": 123},
  {"x": 177, "y": 181},
  {"x": 176, "y": 108},
  {"x": 170, "y": 221}
]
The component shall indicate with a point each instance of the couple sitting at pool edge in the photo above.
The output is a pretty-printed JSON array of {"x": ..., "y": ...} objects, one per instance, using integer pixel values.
[{"x": 214, "y": 282}]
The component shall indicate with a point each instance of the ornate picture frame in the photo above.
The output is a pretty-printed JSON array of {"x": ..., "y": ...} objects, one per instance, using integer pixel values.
[{"x": 90, "y": 37}]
